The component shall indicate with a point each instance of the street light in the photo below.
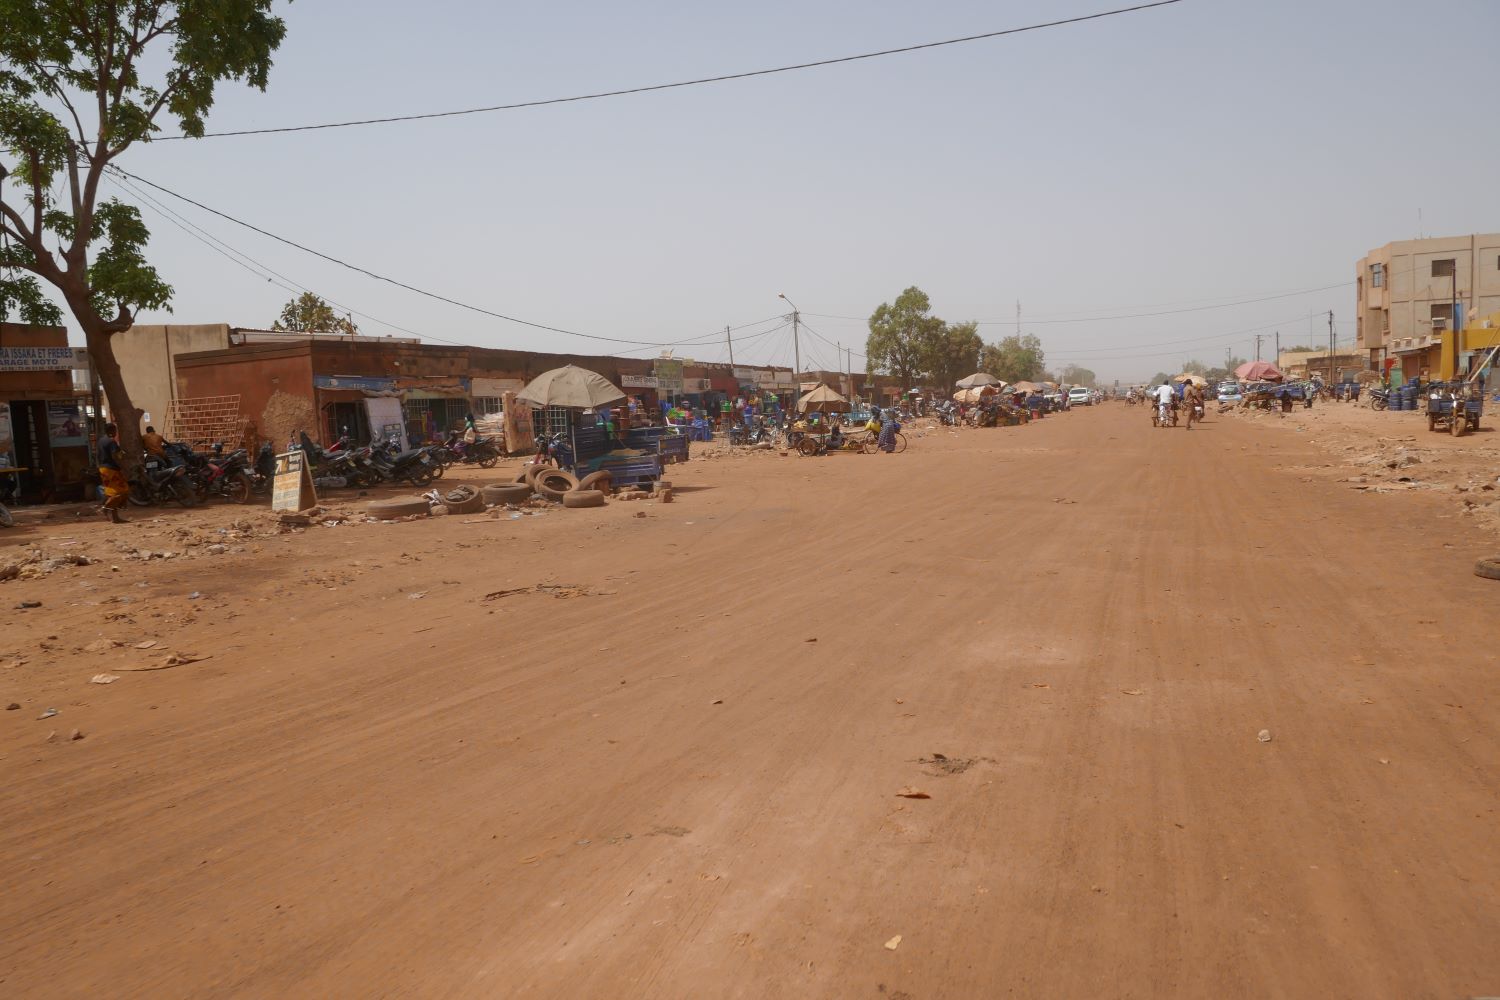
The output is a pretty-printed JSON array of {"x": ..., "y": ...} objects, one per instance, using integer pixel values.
[{"x": 796, "y": 345}]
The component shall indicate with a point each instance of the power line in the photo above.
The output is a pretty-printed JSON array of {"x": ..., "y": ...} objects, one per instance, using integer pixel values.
[
  {"x": 681, "y": 83},
  {"x": 401, "y": 284}
]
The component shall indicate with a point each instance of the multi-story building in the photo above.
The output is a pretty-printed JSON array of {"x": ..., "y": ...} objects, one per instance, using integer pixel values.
[{"x": 1406, "y": 293}]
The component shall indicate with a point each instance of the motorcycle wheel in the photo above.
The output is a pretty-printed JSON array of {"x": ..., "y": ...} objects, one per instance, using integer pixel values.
[
  {"x": 420, "y": 477},
  {"x": 183, "y": 493},
  {"x": 490, "y": 459},
  {"x": 139, "y": 495},
  {"x": 1377, "y": 404},
  {"x": 437, "y": 469},
  {"x": 239, "y": 488}
]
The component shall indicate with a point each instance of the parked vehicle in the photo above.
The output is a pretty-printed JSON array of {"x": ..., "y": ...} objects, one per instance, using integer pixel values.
[
  {"x": 483, "y": 451},
  {"x": 414, "y": 465},
  {"x": 156, "y": 480},
  {"x": 220, "y": 475},
  {"x": 1080, "y": 396},
  {"x": 1229, "y": 392},
  {"x": 1380, "y": 397}
]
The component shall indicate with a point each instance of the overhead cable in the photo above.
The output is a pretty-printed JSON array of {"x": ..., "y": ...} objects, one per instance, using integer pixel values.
[{"x": 681, "y": 83}]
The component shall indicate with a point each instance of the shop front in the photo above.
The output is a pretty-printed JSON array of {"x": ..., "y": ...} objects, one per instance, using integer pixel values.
[{"x": 45, "y": 435}]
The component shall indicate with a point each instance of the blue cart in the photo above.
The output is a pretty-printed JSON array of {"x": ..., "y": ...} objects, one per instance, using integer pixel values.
[{"x": 1454, "y": 407}]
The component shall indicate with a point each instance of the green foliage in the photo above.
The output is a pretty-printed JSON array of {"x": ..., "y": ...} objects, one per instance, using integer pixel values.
[
  {"x": 902, "y": 335},
  {"x": 1075, "y": 375},
  {"x": 1017, "y": 358},
  {"x": 951, "y": 352},
  {"x": 74, "y": 95},
  {"x": 308, "y": 313}
]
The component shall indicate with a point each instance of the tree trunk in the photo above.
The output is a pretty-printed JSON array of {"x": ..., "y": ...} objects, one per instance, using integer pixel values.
[{"x": 125, "y": 415}]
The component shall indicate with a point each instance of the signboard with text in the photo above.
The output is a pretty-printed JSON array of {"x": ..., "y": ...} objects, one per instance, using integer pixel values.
[
  {"x": 293, "y": 486},
  {"x": 637, "y": 381},
  {"x": 43, "y": 359}
]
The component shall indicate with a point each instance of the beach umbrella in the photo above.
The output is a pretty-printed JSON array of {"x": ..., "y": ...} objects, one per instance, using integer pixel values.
[
  {"x": 1026, "y": 387},
  {"x": 975, "y": 394},
  {"x": 1190, "y": 377},
  {"x": 574, "y": 388},
  {"x": 1258, "y": 371},
  {"x": 977, "y": 380},
  {"x": 571, "y": 386},
  {"x": 823, "y": 400}
]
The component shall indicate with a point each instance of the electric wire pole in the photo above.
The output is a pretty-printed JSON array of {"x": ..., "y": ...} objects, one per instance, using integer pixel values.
[
  {"x": 796, "y": 343},
  {"x": 730, "y": 342}
]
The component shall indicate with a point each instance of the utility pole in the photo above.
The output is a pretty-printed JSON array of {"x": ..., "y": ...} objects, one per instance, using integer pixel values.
[
  {"x": 1258, "y": 339},
  {"x": 796, "y": 346},
  {"x": 730, "y": 342},
  {"x": 1330, "y": 347},
  {"x": 1278, "y": 348}
]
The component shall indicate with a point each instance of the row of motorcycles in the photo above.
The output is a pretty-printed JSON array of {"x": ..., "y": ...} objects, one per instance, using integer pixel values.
[
  {"x": 383, "y": 460},
  {"x": 183, "y": 476}
]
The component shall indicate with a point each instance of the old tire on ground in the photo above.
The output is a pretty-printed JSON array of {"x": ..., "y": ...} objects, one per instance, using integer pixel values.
[
  {"x": 552, "y": 482},
  {"x": 389, "y": 510},
  {"x": 507, "y": 493},
  {"x": 463, "y": 500},
  {"x": 529, "y": 474},
  {"x": 601, "y": 480},
  {"x": 583, "y": 498},
  {"x": 1488, "y": 568}
]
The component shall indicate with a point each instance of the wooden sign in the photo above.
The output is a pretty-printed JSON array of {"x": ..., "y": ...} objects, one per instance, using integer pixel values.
[{"x": 293, "y": 486}]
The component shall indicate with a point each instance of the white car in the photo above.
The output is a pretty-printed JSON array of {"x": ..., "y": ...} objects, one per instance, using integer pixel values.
[{"x": 1080, "y": 396}]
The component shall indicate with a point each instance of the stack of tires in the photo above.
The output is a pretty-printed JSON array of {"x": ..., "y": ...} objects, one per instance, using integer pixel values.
[{"x": 552, "y": 483}]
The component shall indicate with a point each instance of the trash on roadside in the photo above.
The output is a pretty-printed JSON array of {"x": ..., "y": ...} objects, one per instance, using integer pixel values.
[
  {"x": 104, "y": 678},
  {"x": 908, "y": 792},
  {"x": 1264, "y": 736}
]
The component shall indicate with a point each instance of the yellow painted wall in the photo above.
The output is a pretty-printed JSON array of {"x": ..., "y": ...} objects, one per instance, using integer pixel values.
[{"x": 1481, "y": 337}]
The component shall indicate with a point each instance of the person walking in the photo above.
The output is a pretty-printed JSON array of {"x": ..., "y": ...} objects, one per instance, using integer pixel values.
[{"x": 112, "y": 475}]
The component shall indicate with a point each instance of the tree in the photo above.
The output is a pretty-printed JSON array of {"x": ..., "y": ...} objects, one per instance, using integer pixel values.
[
  {"x": 309, "y": 313},
  {"x": 951, "y": 351},
  {"x": 1017, "y": 358},
  {"x": 1074, "y": 375},
  {"x": 901, "y": 336},
  {"x": 81, "y": 81}
]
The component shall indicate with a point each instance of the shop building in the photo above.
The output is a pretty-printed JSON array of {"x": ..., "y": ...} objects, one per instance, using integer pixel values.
[{"x": 45, "y": 425}]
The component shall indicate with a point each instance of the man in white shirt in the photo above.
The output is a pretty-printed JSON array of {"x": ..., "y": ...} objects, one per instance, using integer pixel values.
[{"x": 1163, "y": 396}]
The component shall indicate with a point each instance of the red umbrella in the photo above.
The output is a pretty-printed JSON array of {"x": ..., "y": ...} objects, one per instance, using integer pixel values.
[{"x": 1258, "y": 371}]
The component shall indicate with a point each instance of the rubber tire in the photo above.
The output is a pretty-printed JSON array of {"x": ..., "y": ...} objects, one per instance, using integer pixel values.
[
  {"x": 389, "y": 510},
  {"x": 437, "y": 469},
  {"x": 544, "y": 482},
  {"x": 1458, "y": 424},
  {"x": 469, "y": 500},
  {"x": 507, "y": 493},
  {"x": 807, "y": 446},
  {"x": 183, "y": 493},
  {"x": 420, "y": 475},
  {"x": 900, "y": 443},
  {"x": 1432, "y": 421},
  {"x": 593, "y": 481},
  {"x": 529, "y": 475},
  {"x": 870, "y": 445},
  {"x": 490, "y": 460},
  {"x": 138, "y": 495},
  {"x": 1488, "y": 568},
  {"x": 575, "y": 499}
]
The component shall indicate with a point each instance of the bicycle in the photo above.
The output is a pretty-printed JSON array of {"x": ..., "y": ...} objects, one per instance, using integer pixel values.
[{"x": 872, "y": 444}]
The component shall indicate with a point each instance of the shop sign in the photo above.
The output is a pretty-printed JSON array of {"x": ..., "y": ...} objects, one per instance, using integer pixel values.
[
  {"x": 363, "y": 383},
  {"x": 43, "y": 359},
  {"x": 668, "y": 374},
  {"x": 293, "y": 486},
  {"x": 747, "y": 374},
  {"x": 637, "y": 381},
  {"x": 495, "y": 387}
]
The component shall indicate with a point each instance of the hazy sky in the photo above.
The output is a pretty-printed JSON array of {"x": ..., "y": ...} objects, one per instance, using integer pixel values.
[{"x": 1199, "y": 153}]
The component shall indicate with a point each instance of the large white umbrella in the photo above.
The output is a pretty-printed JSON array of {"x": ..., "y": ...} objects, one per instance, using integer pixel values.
[
  {"x": 823, "y": 400},
  {"x": 977, "y": 380},
  {"x": 571, "y": 386}
]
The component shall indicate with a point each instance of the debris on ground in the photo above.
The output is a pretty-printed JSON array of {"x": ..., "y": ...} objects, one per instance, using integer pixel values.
[
  {"x": 1264, "y": 736},
  {"x": 908, "y": 792}
]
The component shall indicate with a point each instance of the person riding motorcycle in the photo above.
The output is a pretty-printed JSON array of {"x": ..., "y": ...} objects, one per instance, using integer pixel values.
[{"x": 1163, "y": 396}]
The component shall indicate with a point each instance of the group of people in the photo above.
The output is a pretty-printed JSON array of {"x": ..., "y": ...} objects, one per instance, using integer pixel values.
[{"x": 1187, "y": 394}]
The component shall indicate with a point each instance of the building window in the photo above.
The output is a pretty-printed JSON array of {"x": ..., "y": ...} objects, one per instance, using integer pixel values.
[
  {"x": 1377, "y": 275},
  {"x": 1443, "y": 268},
  {"x": 485, "y": 405}
]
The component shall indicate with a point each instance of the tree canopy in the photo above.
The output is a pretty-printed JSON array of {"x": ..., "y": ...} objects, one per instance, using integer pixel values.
[
  {"x": 1076, "y": 375},
  {"x": 901, "y": 336},
  {"x": 309, "y": 313},
  {"x": 1017, "y": 358},
  {"x": 81, "y": 81}
]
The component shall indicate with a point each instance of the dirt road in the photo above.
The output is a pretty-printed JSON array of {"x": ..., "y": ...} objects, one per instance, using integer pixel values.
[{"x": 677, "y": 776}]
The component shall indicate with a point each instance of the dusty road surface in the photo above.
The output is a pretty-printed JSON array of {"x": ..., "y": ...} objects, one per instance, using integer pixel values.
[{"x": 676, "y": 776}]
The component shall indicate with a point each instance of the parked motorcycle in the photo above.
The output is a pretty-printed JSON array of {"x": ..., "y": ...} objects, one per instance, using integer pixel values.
[
  {"x": 1380, "y": 397},
  {"x": 156, "y": 480},
  {"x": 482, "y": 451},
  {"x": 414, "y": 465}
]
